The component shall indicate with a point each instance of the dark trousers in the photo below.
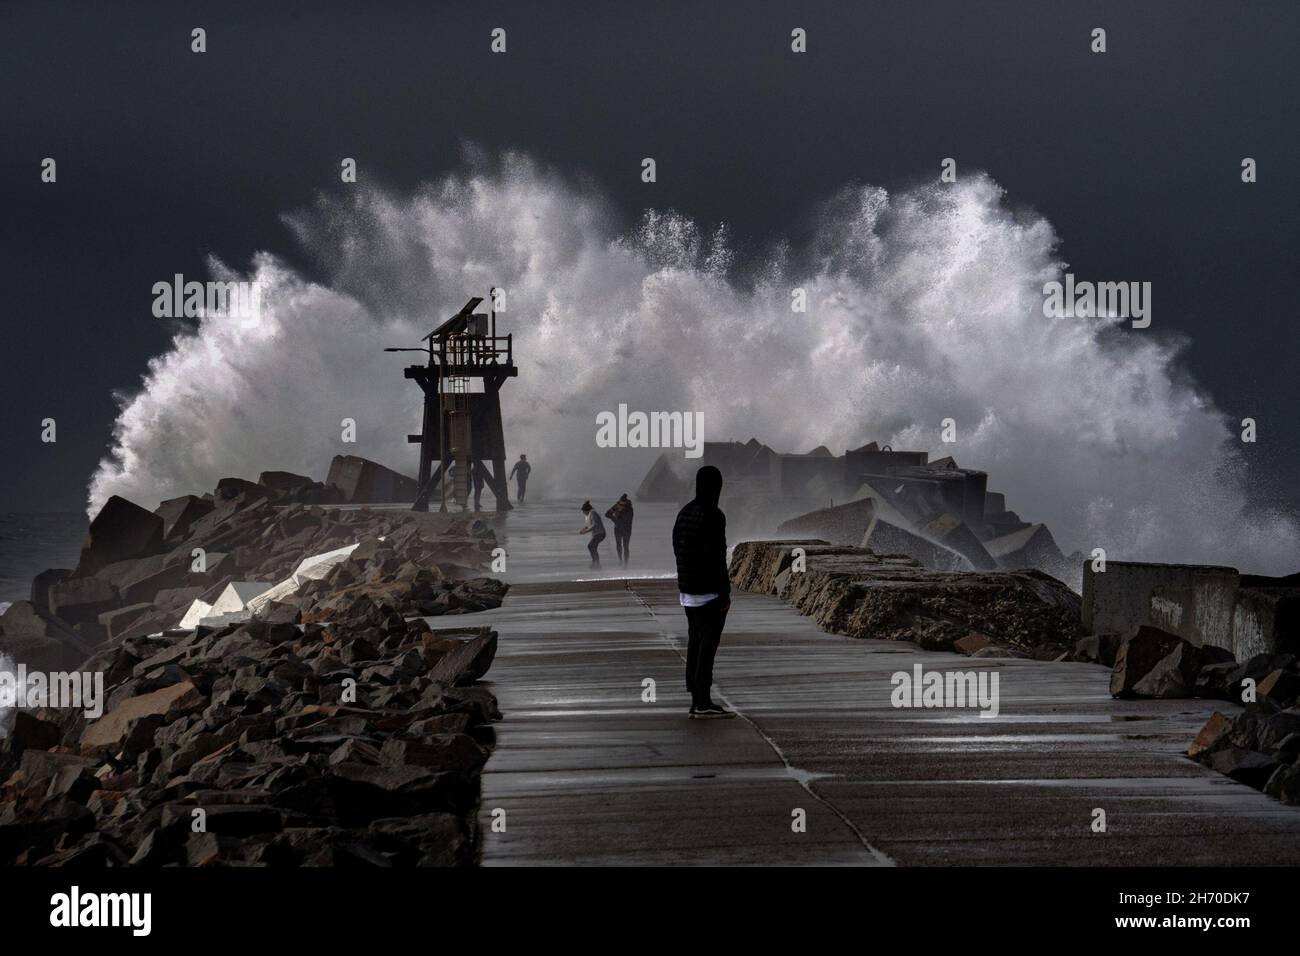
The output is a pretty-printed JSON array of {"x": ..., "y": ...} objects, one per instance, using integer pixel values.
[
  {"x": 622, "y": 542},
  {"x": 592, "y": 545},
  {"x": 704, "y": 630},
  {"x": 521, "y": 485}
]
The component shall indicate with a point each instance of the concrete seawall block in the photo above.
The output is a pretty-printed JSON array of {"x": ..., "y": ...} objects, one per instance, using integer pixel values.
[{"x": 1119, "y": 598}]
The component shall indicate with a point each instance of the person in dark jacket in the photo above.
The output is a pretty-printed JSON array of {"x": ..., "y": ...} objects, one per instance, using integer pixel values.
[
  {"x": 520, "y": 473},
  {"x": 477, "y": 473},
  {"x": 621, "y": 516},
  {"x": 704, "y": 587}
]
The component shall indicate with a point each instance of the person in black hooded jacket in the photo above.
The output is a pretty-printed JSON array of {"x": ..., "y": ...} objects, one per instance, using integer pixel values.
[
  {"x": 704, "y": 587},
  {"x": 620, "y": 513}
]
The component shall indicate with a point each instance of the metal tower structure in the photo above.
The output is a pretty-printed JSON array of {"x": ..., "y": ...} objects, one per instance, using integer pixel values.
[{"x": 461, "y": 427}]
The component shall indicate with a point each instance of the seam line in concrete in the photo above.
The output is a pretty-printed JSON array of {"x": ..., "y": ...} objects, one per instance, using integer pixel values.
[{"x": 801, "y": 777}]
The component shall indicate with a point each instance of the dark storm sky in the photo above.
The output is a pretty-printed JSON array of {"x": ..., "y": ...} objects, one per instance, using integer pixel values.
[{"x": 165, "y": 156}]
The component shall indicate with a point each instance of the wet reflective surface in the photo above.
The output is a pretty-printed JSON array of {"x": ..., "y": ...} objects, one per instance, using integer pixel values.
[
  {"x": 542, "y": 543},
  {"x": 591, "y": 771}
]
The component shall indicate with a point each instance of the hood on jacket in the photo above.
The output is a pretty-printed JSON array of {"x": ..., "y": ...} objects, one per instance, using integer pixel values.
[{"x": 708, "y": 486}]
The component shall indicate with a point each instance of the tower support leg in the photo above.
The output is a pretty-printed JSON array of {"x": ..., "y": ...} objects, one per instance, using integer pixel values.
[
  {"x": 428, "y": 488},
  {"x": 500, "y": 487}
]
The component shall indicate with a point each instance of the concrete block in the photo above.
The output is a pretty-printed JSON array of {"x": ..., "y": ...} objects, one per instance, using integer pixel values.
[
  {"x": 82, "y": 599},
  {"x": 997, "y": 524},
  {"x": 118, "y": 621},
  {"x": 143, "y": 589},
  {"x": 366, "y": 482},
  {"x": 842, "y": 524},
  {"x": 120, "y": 531},
  {"x": 1030, "y": 547},
  {"x": 1119, "y": 598},
  {"x": 178, "y": 514},
  {"x": 886, "y": 537},
  {"x": 1266, "y": 621},
  {"x": 923, "y": 491},
  {"x": 232, "y": 494},
  {"x": 952, "y": 533},
  {"x": 661, "y": 483},
  {"x": 42, "y": 583},
  {"x": 791, "y": 475},
  {"x": 1201, "y": 612}
]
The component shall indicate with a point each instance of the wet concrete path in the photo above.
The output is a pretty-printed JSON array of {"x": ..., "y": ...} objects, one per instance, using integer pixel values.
[{"x": 587, "y": 772}]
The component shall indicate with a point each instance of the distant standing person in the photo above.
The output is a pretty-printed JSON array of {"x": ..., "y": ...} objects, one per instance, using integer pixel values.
[
  {"x": 704, "y": 587},
  {"x": 521, "y": 469},
  {"x": 621, "y": 515},
  {"x": 594, "y": 527},
  {"x": 477, "y": 473}
]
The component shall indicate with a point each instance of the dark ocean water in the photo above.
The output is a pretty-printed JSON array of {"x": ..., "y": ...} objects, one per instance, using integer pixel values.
[{"x": 30, "y": 543}]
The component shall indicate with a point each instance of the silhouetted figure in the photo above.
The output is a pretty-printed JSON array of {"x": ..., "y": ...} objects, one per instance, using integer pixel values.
[
  {"x": 449, "y": 480},
  {"x": 621, "y": 516},
  {"x": 476, "y": 471},
  {"x": 594, "y": 527},
  {"x": 520, "y": 473},
  {"x": 700, "y": 547}
]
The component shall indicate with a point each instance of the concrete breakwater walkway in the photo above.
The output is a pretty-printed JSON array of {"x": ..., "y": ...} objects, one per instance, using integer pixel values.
[{"x": 586, "y": 771}]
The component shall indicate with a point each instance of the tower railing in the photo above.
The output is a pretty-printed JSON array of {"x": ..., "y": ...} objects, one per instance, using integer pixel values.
[{"x": 463, "y": 351}]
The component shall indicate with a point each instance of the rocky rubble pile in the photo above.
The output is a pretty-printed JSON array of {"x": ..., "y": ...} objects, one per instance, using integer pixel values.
[
  {"x": 1151, "y": 662},
  {"x": 353, "y": 741},
  {"x": 1260, "y": 745},
  {"x": 853, "y": 591},
  {"x": 140, "y": 571},
  {"x": 323, "y": 727}
]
